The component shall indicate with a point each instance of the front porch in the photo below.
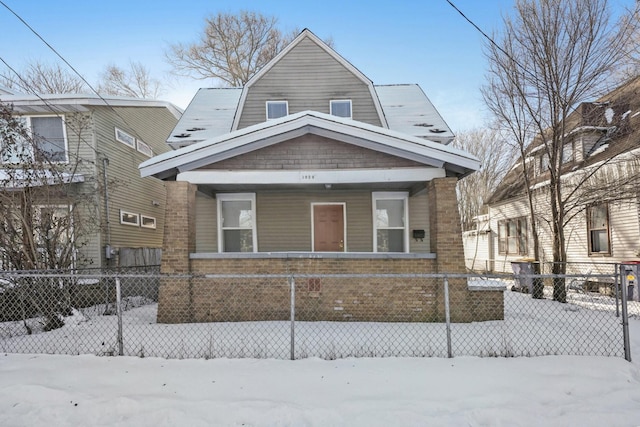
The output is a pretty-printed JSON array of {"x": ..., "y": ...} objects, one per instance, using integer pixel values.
[{"x": 330, "y": 286}]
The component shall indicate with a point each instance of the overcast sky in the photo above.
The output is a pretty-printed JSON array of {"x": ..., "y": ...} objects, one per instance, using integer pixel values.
[{"x": 422, "y": 41}]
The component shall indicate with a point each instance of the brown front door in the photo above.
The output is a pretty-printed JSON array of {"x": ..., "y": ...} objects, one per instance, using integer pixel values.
[{"x": 328, "y": 228}]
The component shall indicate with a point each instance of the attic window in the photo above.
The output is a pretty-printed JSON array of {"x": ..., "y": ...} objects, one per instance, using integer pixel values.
[
  {"x": 340, "y": 108},
  {"x": 277, "y": 109}
]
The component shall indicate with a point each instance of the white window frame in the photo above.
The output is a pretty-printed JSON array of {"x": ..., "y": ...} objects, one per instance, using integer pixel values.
[
  {"x": 344, "y": 223},
  {"x": 123, "y": 222},
  {"x": 286, "y": 103},
  {"x": 29, "y": 128},
  {"x": 606, "y": 228},
  {"x": 225, "y": 197},
  {"x": 144, "y": 148},
  {"x": 390, "y": 195},
  {"x": 131, "y": 143},
  {"x": 341, "y": 100},
  {"x": 145, "y": 217}
]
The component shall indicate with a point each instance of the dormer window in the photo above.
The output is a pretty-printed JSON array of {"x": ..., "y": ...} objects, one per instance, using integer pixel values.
[
  {"x": 340, "y": 108},
  {"x": 277, "y": 109}
]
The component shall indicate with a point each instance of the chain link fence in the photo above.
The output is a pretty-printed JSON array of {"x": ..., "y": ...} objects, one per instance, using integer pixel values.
[{"x": 298, "y": 316}]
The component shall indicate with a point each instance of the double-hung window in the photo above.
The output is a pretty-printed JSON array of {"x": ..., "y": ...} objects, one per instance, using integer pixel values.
[
  {"x": 48, "y": 142},
  {"x": 277, "y": 109},
  {"x": 598, "y": 229},
  {"x": 512, "y": 236},
  {"x": 236, "y": 222},
  {"x": 390, "y": 210}
]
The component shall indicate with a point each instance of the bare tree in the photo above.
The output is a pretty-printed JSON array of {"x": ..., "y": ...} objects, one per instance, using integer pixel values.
[
  {"x": 495, "y": 156},
  {"x": 45, "y": 216},
  {"x": 136, "y": 82},
  {"x": 232, "y": 48},
  {"x": 41, "y": 78},
  {"x": 553, "y": 55}
]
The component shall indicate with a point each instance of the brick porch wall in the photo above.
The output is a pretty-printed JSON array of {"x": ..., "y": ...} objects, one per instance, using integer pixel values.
[{"x": 202, "y": 299}]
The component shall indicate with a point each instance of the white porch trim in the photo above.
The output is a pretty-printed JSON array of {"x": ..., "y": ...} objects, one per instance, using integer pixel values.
[{"x": 321, "y": 176}]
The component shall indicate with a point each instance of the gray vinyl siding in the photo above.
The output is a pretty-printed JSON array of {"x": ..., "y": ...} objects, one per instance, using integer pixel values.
[
  {"x": 128, "y": 191},
  {"x": 81, "y": 155},
  {"x": 284, "y": 219},
  {"x": 206, "y": 224},
  {"x": 419, "y": 220},
  {"x": 308, "y": 78}
]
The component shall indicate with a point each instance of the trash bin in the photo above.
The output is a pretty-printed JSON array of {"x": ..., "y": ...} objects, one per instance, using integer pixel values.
[
  {"x": 526, "y": 272},
  {"x": 632, "y": 273}
]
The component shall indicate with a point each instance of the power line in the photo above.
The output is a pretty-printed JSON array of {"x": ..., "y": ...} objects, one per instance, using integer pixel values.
[
  {"x": 69, "y": 65},
  {"x": 54, "y": 111},
  {"x": 496, "y": 45}
]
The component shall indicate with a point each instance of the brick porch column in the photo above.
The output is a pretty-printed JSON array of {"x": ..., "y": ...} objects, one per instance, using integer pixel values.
[
  {"x": 175, "y": 302},
  {"x": 446, "y": 242}
]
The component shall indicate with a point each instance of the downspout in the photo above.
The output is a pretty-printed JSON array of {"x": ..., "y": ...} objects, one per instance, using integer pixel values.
[{"x": 105, "y": 163}]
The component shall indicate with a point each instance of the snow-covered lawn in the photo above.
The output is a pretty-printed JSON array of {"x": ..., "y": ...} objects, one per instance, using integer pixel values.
[
  {"x": 585, "y": 326},
  {"x": 47, "y": 390},
  {"x": 87, "y": 390}
]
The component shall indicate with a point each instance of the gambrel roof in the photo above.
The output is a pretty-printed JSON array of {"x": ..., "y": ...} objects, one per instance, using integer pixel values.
[
  {"x": 404, "y": 108},
  {"x": 455, "y": 162}
]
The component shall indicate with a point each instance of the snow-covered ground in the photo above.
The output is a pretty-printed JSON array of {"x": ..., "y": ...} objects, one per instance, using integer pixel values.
[
  {"x": 47, "y": 390},
  {"x": 87, "y": 390}
]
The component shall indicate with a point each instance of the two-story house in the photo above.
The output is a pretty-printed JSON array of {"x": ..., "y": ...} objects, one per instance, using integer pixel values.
[
  {"x": 311, "y": 168},
  {"x": 95, "y": 145},
  {"x": 600, "y": 176}
]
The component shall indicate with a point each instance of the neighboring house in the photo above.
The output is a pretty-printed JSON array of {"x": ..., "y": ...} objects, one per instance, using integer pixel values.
[
  {"x": 602, "y": 226},
  {"x": 102, "y": 140},
  {"x": 312, "y": 169}
]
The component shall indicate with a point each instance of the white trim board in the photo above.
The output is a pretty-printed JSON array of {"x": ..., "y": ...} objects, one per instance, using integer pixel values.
[{"x": 321, "y": 176}]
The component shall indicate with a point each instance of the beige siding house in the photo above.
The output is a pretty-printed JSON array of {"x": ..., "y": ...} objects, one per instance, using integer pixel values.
[
  {"x": 106, "y": 139},
  {"x": 600, "y": 175},
  {"x": 312, "y": 169}
]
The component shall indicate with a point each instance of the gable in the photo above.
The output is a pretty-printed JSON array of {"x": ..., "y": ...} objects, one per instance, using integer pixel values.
[
  {"x": 312, "y": 152},
  {"x": 308, "y": 75},
  {"x": 164, "y": 166}
]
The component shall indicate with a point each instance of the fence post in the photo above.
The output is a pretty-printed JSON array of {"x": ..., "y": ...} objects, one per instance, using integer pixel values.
[
  {"x": 447, "y": 315},
  {"x": 119, "y": 315},
  {"x": 292, "y": 285},
  {"x": 617, "y": 286},
  {"x": 625, "y": 314}
]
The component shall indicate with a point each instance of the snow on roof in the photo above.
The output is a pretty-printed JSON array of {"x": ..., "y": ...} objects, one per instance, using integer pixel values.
[
  {"x": 408, "y": 110},
  {"x": 25, "y": 103},
  {"x": 375, "y": 136},
  {"x": 209, "y": 114}
]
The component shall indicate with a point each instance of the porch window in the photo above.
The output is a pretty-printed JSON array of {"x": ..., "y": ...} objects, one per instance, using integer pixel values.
[
  {"x": 49, "y": 142},
  {"x": 236, "y": 222},
  {"x": 340, "y": 108},
  {"x": 277, "y": 109},
  {"x": 598, "y": 229},
  {"x": 512, "y": 236},
  {"x": 390, "y": 221}
]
